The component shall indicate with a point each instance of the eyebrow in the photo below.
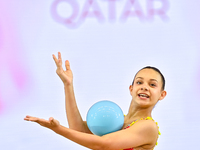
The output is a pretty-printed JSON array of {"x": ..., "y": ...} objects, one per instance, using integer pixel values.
[{"x": 150, "y": 79}]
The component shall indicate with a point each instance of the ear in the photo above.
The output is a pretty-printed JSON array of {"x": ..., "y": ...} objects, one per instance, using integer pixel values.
[
  {"x": 131, "y": 88},
  {"x": 163, "y": 94}
]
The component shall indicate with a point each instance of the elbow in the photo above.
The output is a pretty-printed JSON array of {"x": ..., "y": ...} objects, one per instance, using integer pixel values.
[
  {"x": 77, "y": 127},
  {"x": 73, "y": 127}
]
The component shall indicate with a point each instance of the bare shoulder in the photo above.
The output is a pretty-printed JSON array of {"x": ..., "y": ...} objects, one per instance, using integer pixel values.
[
  {"x": 146, "y": 127},
  {"x": 143, "y": 134},
  {"x": 147, "y": 130}
]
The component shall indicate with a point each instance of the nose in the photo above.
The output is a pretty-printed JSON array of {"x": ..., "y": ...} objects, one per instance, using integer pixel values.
[{"x": 145, "y": 88}]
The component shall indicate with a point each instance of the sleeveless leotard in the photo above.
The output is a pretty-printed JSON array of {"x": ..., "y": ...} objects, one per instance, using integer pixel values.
[{"x": 147, "y": 118}]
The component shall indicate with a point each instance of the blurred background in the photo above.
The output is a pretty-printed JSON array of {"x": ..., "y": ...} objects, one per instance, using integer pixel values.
[{"x": 106, "y": 42}]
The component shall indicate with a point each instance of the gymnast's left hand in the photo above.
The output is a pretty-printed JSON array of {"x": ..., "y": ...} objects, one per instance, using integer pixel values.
[{"x": 51, "y": 123}]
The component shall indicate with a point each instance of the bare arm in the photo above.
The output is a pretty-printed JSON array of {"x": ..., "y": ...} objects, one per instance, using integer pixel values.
[
  {"x": 141, "y": 134},
  {"x": 74, "y": 118}
]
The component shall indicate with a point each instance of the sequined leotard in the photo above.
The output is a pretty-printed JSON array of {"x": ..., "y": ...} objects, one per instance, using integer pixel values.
[{"x": 147, "y": 118}]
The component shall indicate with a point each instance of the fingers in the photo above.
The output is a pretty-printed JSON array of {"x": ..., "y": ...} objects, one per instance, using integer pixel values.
[
  {"x": 27, "y": 119},
  {"x": 34, "y": 119},
  {"x": 54, "y": 122},
  {"x": 51, "y": 120},
  {"x": 30, "y": 118},
  {"x": 67, "y": 65},
  {"x": 58, "y": 61},
  {"x": 55, "y": 59},
  {"x": 51, "y": 123},
  {"x": 59, "y": 56}
]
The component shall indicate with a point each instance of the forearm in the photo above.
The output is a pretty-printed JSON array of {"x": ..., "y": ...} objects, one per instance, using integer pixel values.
[
  {"x": 87, "y": 140},
  {"x": 75, "y": 120}
]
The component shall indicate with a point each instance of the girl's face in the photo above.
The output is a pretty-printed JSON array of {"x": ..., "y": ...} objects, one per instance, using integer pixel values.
[{"x": 147, "y": 90}]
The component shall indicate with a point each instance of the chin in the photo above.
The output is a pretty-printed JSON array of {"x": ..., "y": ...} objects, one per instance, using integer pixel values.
[{"x": 144, "y": 104}]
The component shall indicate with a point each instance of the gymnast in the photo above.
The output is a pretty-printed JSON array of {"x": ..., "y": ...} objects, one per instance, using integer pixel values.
[{"x": 139, "y": 132}]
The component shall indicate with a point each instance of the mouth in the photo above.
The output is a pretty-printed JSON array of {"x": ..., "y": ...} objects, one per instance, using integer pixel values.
[{"x": 143, "y": 95}]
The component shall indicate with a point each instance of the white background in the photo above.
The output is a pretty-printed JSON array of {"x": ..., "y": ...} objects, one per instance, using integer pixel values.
[{"x": 104, "y": 58}]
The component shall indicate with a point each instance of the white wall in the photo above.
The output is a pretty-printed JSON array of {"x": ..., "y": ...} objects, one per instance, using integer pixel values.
[{"x": 105, "y": 52}]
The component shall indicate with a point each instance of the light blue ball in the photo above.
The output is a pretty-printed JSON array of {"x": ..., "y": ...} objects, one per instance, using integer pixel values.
[{"x": 104, "y": 117}]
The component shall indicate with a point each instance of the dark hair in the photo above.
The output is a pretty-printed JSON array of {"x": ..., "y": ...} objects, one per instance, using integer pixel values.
[{"x": 155, "y": 69}]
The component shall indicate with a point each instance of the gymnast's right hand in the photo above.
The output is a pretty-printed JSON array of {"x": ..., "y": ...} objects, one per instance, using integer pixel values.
[{"x": 65, "y": 75}]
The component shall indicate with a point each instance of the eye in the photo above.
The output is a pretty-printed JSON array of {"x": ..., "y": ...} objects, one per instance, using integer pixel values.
[
  {"x": 138, "y": 82},
  {"x": 152, "y": 84}
]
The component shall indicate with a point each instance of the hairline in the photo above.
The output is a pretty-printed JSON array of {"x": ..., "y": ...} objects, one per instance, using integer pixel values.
[{"x": 156, "y": 70}]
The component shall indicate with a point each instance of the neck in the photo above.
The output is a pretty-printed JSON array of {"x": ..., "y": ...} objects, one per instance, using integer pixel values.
[{"x": 136, "y": 112}]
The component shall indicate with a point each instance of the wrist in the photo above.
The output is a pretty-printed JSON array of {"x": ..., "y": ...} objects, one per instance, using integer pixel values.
[
  {"x": 66, "y": 84},
  {"x": 56, "y": 129}
]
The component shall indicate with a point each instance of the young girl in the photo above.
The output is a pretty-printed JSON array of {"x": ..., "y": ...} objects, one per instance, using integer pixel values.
[{"x": 139, "y": 131}]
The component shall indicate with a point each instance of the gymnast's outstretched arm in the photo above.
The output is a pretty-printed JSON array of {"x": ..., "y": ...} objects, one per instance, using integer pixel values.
[
  {"x": 74, "y": 118},
  {"x": 143, "y": 134}
]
